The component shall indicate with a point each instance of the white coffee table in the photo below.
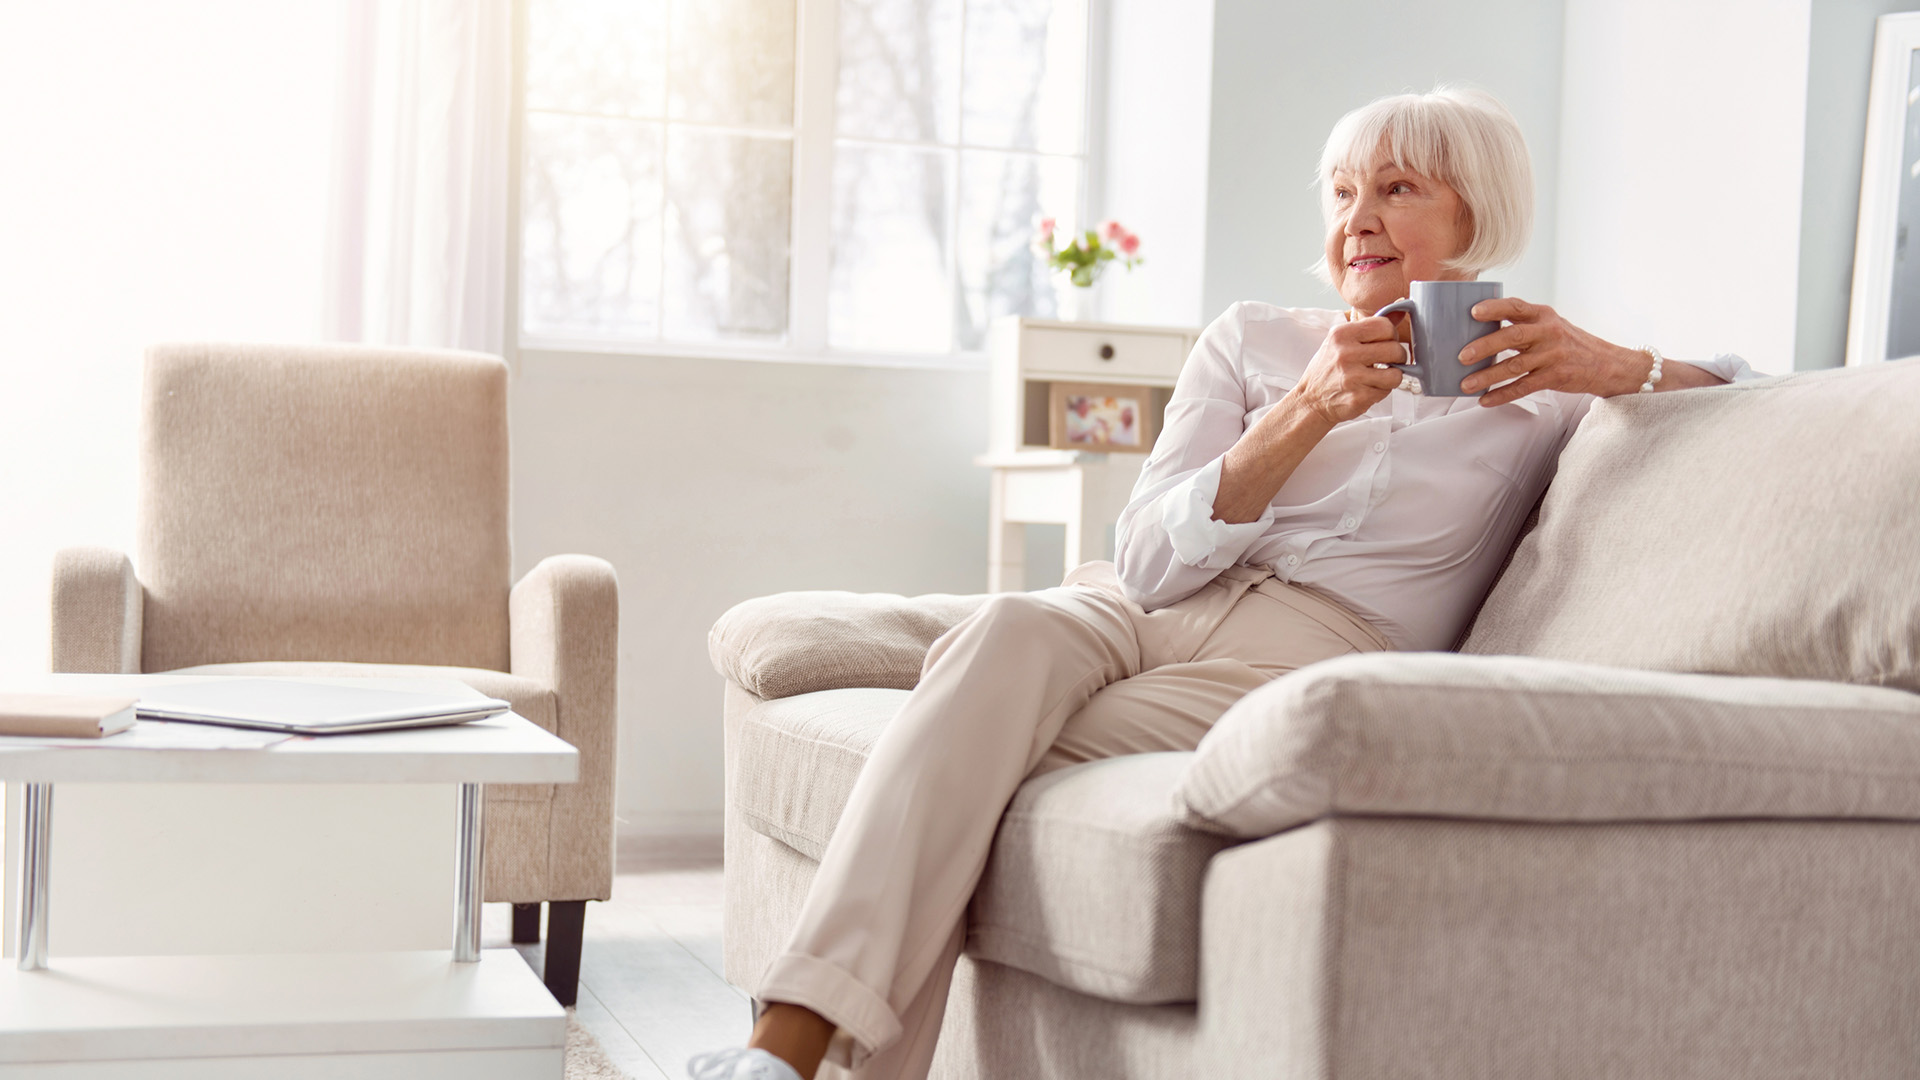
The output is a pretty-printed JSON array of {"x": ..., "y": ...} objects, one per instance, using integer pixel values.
[{"x": 460, "y": 1012}]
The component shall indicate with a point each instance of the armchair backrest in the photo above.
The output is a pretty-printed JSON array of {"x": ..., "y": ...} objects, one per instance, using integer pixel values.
[{"x": 334, "y": 502}]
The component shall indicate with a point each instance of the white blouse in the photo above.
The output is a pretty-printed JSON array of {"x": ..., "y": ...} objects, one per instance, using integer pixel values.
[{"x": 1403, "y": 514}]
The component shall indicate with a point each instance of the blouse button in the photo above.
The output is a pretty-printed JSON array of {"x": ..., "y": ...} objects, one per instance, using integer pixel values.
[
  {"x": 1379, "y": 447},
  {"x": 1293, "y": 560},
  {"x": 1348, "y": 523}
]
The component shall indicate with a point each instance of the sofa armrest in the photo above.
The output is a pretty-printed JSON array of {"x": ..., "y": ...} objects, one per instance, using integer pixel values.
[
  {"x": 1407, "y": 947},
  {"x": 565, "y": 633},
  {"x": 1520, "y": 739},
  {"x": 97, "y": 611},
  {"x": 799, "y": 642}
]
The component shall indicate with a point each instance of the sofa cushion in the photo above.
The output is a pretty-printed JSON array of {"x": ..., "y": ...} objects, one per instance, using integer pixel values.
[
  {"x": 1094, "y": 883},
  {"x": 800, "y": 642},
  {"x": 531, "y": 700},
  {"x": 1091, "y": 882},
  {"x": 1765, "y": 528},
  {"x": 797, "y": 758},
  {"x": 1511, "y": 738}
]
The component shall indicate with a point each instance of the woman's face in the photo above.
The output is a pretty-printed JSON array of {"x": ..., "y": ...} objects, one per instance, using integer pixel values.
[{"x": 1392, "y": 227}]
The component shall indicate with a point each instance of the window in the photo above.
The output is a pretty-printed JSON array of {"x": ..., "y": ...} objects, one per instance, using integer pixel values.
[{"x": 805, "y": 175}]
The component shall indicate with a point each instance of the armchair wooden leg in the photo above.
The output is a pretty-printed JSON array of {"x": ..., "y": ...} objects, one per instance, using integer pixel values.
[
  {"x": 566, "y": 919},
  {"x": 526, "y": 924}
]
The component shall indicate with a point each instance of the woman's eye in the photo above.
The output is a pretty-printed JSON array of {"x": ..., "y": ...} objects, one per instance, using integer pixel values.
[
  {"x": 1342, "y": 193},
  {"x": 1401, "y": 188}
]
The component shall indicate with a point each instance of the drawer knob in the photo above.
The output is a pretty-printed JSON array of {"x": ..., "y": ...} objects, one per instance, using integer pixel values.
[{"x": 1106, "y": 352}]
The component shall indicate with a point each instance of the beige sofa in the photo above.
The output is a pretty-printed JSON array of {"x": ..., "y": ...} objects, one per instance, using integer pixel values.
[
  {"x": 342, "y": 510},
  {"x": 1659, "y": 817}
]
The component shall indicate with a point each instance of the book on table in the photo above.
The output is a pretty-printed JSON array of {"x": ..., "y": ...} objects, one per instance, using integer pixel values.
[{"x": 65, "y": 716}]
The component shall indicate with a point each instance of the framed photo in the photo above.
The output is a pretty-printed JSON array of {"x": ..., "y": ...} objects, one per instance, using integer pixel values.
[
  {"x": 1107, "y": 418},
  {"x": 1883, "y": 320}
]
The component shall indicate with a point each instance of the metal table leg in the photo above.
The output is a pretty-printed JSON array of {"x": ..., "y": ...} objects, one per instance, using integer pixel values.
[
  {"x": 30, "y": 937},
  {"x": 467, "y": 866}
]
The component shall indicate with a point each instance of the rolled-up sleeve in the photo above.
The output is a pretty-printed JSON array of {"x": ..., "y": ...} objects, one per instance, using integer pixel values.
[
  {"x": 1729, "y": 367},
  {"x": 1167, "y": 543},
  {"x": 1186, "y": 513}
]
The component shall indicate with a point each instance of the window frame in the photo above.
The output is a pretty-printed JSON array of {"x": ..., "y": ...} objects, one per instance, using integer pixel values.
[{"x": 810, "y": 250}]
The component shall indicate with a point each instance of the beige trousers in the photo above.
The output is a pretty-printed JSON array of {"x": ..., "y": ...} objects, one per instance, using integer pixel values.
[{"x": 1030, "y": 682}]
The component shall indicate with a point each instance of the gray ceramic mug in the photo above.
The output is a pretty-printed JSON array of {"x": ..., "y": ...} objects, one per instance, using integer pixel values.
[{"x": 1442, "y": 326}]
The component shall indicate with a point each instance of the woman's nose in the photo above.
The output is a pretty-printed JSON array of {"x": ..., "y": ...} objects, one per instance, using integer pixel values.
[{"x": 1362, "y": 218}]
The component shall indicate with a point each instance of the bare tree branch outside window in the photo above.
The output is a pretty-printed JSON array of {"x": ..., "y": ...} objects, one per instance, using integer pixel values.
[{"x": 658, "y": 185}]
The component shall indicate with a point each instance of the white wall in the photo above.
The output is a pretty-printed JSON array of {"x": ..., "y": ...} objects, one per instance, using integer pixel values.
[
  {"x": 708, "y": 482},
  {"x": 1158, "y": 94},
  {"x": 165, "y": 178},
  {"x": 1283, "y": 72},
  {"x": 1682, "y": 132}
]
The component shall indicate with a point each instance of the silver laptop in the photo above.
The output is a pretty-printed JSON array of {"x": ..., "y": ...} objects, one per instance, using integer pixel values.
[{"x": 311, "y": 708}]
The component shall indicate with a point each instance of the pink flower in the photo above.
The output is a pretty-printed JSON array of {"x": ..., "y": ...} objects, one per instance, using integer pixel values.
[
  {"x": 1112, "y": 229},
  {"x": 1130, "y": 243},
  {"x": 1047, "y": 226}
]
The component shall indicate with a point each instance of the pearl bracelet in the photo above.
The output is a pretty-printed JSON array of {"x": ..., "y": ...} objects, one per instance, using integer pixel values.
[{"x": 1654, "y": 375}]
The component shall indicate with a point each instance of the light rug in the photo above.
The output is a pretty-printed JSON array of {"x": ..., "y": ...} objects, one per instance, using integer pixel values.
[{"x": 585, "y": 1059}]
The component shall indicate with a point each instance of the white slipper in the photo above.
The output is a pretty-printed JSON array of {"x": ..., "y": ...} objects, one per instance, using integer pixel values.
[{"x": 740, "y": 1063}]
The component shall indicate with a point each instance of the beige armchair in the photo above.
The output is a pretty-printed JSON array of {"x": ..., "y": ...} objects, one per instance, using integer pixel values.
[{"x": 343, "y": 511}]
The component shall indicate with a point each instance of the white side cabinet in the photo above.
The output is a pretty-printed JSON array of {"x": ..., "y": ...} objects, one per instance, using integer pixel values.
[{"x": 1035, "y": 483}]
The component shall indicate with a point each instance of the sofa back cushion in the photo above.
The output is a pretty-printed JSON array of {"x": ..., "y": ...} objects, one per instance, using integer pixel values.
[
  {"x": 1765, "y": 528},
  {"x": 323, "y": 502}
]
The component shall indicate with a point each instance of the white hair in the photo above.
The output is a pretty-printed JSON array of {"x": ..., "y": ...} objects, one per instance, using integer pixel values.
[{"x": 1464, "y": 138}]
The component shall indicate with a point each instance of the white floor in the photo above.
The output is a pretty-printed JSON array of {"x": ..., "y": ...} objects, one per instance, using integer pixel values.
[{"x": 650, "y": 983}]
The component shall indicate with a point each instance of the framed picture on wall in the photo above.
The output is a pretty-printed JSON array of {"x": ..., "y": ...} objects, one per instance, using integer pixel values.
[
  {"x": 1883, "y": 320},
  {"x": 1108, "y": 418}
]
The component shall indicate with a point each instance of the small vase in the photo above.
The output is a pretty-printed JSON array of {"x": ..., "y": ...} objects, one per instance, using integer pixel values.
[{"x": 1077, "y": 303}]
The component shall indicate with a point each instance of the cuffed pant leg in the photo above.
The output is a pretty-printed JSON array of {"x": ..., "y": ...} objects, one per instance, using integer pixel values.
[
  {"x": 896, "y": 876},
  {"x": 910, "y": 1057}
]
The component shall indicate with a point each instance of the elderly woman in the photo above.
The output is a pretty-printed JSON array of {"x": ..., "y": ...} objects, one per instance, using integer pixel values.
[{"x": 1302, "y": 502}]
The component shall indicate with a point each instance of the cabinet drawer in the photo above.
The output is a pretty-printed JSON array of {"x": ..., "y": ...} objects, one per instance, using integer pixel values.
[{"x": 1127, "y": 353}]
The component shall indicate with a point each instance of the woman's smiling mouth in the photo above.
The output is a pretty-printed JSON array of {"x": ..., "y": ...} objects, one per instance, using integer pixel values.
[{"x": 1365, "y": 263}]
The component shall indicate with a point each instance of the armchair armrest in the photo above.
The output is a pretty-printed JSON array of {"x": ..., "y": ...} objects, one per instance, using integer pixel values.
[
  {"x": 1520, "y": 739},
  {"x": 564, "y": 621},
  {"x": 97, "y": 610},
  {"x": 799, "y": 642}
]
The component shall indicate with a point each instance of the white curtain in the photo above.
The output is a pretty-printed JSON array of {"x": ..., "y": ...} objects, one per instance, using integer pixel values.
[{"x": 417, "y": 216}]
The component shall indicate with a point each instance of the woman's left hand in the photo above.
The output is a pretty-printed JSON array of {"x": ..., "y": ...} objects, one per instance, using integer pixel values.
[{"x": 1552, "y": 354}]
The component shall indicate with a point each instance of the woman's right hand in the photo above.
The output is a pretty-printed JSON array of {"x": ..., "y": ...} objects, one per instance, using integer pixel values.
[
  {"x": 1339, "y": 384},
  {"x": 1341, "y": 381}
]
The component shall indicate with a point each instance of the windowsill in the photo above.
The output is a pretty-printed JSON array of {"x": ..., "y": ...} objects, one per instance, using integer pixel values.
[{"x": 550, "y": 355}]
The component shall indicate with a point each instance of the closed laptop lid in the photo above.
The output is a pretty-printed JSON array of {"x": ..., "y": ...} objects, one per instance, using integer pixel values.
[{"x": 295, "y": 704}]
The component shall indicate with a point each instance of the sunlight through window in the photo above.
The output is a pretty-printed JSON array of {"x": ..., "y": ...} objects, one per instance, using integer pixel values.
[{"x": 659, "y": 201}]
